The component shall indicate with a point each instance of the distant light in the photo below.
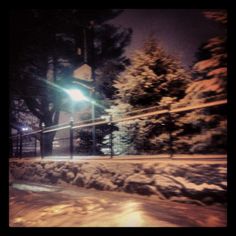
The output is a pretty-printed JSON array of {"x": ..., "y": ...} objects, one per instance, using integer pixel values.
[
  {"x": 76, "y": 95},
  {"x": 25, "y": 129}
]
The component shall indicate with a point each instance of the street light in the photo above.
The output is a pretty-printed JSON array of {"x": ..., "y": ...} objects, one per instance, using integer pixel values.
[
  {"x": 24, "y": 128},
  {"x": 76, "y": 95}
]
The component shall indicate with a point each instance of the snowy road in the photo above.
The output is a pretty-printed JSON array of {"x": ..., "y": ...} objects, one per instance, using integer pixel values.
[{"x": 34, "y": 205}]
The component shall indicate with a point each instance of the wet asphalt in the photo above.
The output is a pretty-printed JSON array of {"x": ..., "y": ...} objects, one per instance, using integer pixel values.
[{"x": 39, "y": 205}]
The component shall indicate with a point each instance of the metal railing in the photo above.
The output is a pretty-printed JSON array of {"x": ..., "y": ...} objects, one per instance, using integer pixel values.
[{"x": 76, "y": 137}]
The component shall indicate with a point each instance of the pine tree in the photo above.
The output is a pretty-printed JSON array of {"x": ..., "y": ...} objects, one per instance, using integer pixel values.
[
  {"x": 204, "y": 130},
  {"x": 44, "y": 46},
  {"x": 210, "y": 69},
  {"x": 152, "y": 78}
]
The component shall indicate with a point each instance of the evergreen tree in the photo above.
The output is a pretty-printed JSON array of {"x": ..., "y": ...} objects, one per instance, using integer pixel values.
[
  {"x": 152, "y": 79},
  {"x": 44, "y": 46},
  {"x": 204, "y": 130}
]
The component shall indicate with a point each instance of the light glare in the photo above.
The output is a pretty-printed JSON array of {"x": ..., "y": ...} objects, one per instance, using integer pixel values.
[
  {"x": 25, "y": 129},
  {"x": 76, "y": 95}
]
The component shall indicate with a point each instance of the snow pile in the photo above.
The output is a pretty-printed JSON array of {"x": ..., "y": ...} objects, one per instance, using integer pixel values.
[{"x": 195, "y": 183}]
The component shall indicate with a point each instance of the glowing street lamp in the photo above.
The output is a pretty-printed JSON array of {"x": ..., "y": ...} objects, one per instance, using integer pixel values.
[{"x": 76, "y": 95}]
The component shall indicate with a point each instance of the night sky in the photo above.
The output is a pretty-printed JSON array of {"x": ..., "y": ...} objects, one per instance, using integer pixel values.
[{"x": 180, "y": 31}]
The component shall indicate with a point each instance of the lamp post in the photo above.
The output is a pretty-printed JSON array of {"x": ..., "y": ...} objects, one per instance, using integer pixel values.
[
  {"x": 76, "y": 95},
  {"x": 86, "y": 72}
]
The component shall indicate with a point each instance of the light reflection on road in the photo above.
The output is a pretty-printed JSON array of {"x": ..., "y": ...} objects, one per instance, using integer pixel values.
[{"x": 34, "y": 205}]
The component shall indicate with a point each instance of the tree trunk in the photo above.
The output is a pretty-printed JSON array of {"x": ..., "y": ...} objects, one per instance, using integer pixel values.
[{"x": 48, "y": 143}]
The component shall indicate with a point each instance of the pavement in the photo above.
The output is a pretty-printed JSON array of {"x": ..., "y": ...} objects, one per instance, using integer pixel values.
[{"x": 38, "y": 205}]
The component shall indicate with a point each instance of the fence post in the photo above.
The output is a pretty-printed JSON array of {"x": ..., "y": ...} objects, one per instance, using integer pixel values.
[
  {"x": 17, "y": 145},
  {"x": 170, "y": 132},
  {"x": 42, "y": 140},
  {"x": 71, "y": 139},
  {"x": 11, "y": 146},
  {"x": 21, "y": 142},
  {"x": 93, "y": 130},
  {"x": 110, "y": 137},
  {"x": 35, "y": 146}
]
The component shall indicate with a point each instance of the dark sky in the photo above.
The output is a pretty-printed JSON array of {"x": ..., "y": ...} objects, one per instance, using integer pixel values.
[{"x": 180, "y": 31}]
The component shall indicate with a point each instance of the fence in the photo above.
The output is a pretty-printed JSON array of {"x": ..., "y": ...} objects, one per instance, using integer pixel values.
[{"x": 195, "y": 129}]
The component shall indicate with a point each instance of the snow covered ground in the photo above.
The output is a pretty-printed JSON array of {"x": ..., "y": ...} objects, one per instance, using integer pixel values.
[{"x": 199, "y": 182}]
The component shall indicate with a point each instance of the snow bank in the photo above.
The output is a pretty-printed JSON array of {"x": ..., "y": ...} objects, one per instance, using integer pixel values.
[{"x": 190, "y": 183}]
